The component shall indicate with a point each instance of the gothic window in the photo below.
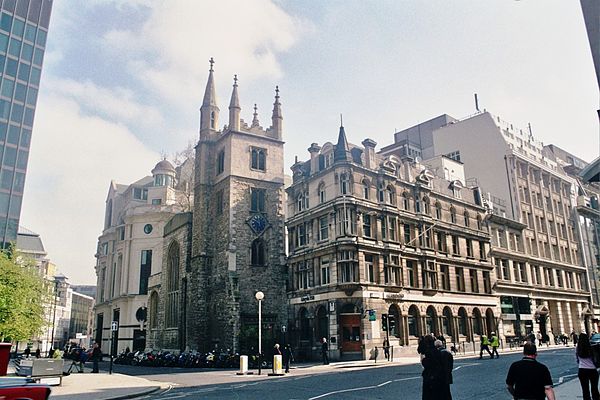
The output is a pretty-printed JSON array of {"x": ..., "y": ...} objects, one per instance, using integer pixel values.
[
  {"x": 366, "y": 189},
  {"x": 259, "y": 159},
  {"x": 322, "y": 194},
  {"x": 390, "y": 195},
  {"x": 221, "y": 162},
  {"x": 426, "y": 206},
  {"x": 381, "y": 193},
  {"x": 479, "y": 222},
  {"x": 258, "y": 256},
  {"x": 302, "y": 202},
  {"x": 405, "y": 201},
  {"x": 344, "y": 184},
  {"x": 413, "y": 321},
  {"x": 467, "y": 219},
  {"x": 453, "y": 215},
  {"x": 172, "y": 286},
  {"x": 438, "y": 211},
  {"x": 213, "y": 120},
  {"x": 257, "y": 202},
  {"x": 462, "y": 322},
  {"x": 153, "y": 310}
]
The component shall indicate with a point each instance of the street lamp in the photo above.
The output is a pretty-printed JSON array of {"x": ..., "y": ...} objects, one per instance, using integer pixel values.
[
  {"x": 259, "y": 296},
  {"x": 54, "y": 316}
]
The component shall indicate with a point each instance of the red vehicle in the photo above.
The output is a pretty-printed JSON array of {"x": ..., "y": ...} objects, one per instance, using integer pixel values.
[{"x": 22, "y": 389}]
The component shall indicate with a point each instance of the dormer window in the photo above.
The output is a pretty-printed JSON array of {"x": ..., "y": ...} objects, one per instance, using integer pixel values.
[{"x": 456, "y": 187}]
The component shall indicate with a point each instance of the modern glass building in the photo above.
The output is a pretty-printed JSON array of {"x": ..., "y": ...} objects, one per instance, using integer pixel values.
[{"x": 23, "y": 32}]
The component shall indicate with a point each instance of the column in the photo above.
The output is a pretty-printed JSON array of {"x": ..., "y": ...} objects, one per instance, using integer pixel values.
[
  {"x": 581, "y": 320},
  {"x": 570, "y": 323},
  {"x": 560, "y": 320}
]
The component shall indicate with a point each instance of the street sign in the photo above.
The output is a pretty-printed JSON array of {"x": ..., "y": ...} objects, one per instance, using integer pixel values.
[
  {"x": 372, "y": 316},
  {"x": 114, "y": 326}
]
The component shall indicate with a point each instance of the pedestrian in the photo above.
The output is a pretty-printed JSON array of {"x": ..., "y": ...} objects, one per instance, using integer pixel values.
[
  {"x": 528, "y": 378},
  {"x": 96, "y": 355},
  {"x": 485, "y": 345},
  {"x": 495, "y": 342},
  {"x": 587, "y": 373},
  {"x": 531, "y": 337},
  {"x": 376, "y": 353},
  {"x": 38, "y": 353},
  {"x": 51, "y": 352},
  {"x": 324, "y": 351},
  {"x": 288, "y": 356},
  {"x": 540, "y": 338},
  {"x": 448, "y": 365},
  {"x": 574, "y": 337},
  {"x": 433, "y": 370},
  {"x": 442, "y": 339},
  {"x": 386, "y": 349},
  {"x": 27, "y": 352}
]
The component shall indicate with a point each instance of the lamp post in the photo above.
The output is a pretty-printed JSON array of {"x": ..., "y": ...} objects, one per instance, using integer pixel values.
[
  {"x": 54, "y": 315},
  {"x": 259, "y": 296}
]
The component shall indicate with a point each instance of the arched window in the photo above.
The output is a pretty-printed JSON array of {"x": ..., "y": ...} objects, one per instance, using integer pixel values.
[
  {"x": 438, "y": 210},
  {"x": 153, "y": 310},
  {"x": 344, "y": 184},
  {"x": 213, "y": 120},
  {"x": 479, "y": 222},
  {"x": 405, "y": 201},
  {"x": 462, "y": 322},
  {"x": 467, "y": 219},
  {"x": 366, "y": 189},
  {"x": 390, "y": 195},
  {"x": 322, "y": 323},
  {"x": 300, "y": 202},
  {"x": 381, "y": 193},
  {"x": 304, "y": 325},
  {"x": 322, "y": 194},
  {"x": 452, "y": 215},
  {"x": 413, "y": 321},
  {"x": 426, "y": 206},
  {"x": 258, "y": 159},
  {"x": 431, "y": 321},
  {"x": 395, "y": 327},
  {"x": 447, "y": 321},
  {"x": 258, "y": 257},
  {"x": 490, "y": 321},
  {"x": 172, "y": 301},
  {"x": 477, "y": 322}
]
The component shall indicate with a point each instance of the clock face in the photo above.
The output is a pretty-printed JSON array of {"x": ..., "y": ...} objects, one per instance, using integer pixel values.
[
  {"x": 258, "y": 223},
  {"x": 147, "y": 229}
]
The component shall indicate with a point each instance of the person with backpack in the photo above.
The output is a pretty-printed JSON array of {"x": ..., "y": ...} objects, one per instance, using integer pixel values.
[{"x": 587, "y": 373}]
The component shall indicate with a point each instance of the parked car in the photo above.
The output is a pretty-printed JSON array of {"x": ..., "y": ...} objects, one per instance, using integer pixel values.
[{"x": 22, "y": 389}]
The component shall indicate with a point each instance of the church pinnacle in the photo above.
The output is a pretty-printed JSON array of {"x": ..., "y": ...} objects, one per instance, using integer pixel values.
[
  {"x": 234, "y": 107},
  {"x": 276, "y": 118},
  {"x": 255, "y": 121},
  {"x": 209, "y": 111},
  {"x": 342, "y": 149}
]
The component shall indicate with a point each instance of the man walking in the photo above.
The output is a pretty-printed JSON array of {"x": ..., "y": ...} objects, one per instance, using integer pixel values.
[
  {"x": 288, "y": 356},
  {"x": 448, "y": 365},
  {"x": 495, "y": 344},
  {"x": 528, "y": 378},
  {"x": 96, "y": 355},
  {"x": 485, "y": 345},
  {"x": 325, "y": 351}
]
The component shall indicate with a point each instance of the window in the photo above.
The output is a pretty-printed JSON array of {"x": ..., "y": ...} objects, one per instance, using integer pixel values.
[
  {"x": 460, "y": 279},
  {"x": 220, "y": 161},
  {"x": 407, "y": 235},
  {"x": 323, "y": 228},
  {"x": 438, "y": 211},
  {"x": 411, "y": 273},
  {"x": 393, "y": 271},
  {"x": 479, "y": 222},
  {"x": 469, "y": 248},
  {"x": 440, "y": 239},
  {"x": 452, "y": 215},
  {"x": 303, "y": 275},
  {"x": 467, "y": 219},
  {"x": 445, "y": 277},
  {"x": 259, "y": 159},
  {"x": 430, "y": 275},
  {"x": 300, "y": 202},
  {"x": 322, "y": 194},
  {"x": 325, "y": 275},
  {"x": 258, "y": 256},
  {"x": 156, "y": 202},
  {"x": 384, "y": 228},
  {"x": 425, "y": 237},
  {"x": 213, "y": 121},
  {"x": 172, "y": 300},
  {"x": 417, "y": 205},
  {"x": 487, "y": 282},
  {"x": 412, "y": 319},
  {"x": 301, "y": 238},
  {"x": 390, "y": 195},
  {"x": 473, "y": 281},
  {"x": 405, "y": 201},
  {"x": 392, "y": 228},
  {"x": 482, "y": 255},
  {"x": 370, "y": 269},
  {"x": 381, "y": 193},
  {"x": 366, "y": 189},
  {"x": 455, "y": 246},
  {"x": 348, "y": 266},
  {"x": 145, "y": 270},
  {"x": 257, "y": 203},
  {"x": 344, "y": 184},
  {"x": 366, "y": 225},
  {"x": 140, "y": 193},
  {"x": 426, "y": 206}
]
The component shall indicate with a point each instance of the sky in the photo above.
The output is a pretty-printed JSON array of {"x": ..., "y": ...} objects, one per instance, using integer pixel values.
[{"x": 123, "y": 81}]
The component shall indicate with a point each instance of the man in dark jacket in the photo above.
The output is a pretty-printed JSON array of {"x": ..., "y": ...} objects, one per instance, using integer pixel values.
[
  {"x": 325, "y": 351},
  {"x": 448, "y": 365},
  {"x": 433, "y": 370},
  {"x": 288, "y": 356},
  {"x": 96, "y": 355}
]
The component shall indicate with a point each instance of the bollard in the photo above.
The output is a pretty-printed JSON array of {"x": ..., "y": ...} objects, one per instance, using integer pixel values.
[
  {"x": 243, "y": 365},
  {"x": 277, "y": 366}
]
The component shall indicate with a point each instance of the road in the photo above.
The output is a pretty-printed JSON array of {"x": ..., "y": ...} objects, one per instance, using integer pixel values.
[{"x": 473, "y": 379}]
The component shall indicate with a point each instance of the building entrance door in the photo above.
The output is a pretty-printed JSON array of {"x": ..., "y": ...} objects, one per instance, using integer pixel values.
[{"x": 351, "y": 337}]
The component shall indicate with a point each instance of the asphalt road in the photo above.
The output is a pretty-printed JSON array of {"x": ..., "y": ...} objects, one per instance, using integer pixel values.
[{"x": 473, "y": 379}]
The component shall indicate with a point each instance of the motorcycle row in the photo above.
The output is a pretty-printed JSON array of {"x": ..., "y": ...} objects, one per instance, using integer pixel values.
[{"x": 186, "y": 359}]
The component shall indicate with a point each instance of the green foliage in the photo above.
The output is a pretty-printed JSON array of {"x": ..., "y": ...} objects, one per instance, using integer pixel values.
[{"x": 22, "y": 296}]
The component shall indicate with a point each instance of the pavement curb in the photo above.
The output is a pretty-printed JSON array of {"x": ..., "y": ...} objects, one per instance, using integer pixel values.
[{"x": 146, "y": 392}]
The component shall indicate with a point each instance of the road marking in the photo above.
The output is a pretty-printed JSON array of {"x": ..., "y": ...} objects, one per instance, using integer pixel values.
[
  {"x": 362, "y": 388},
  {"x": 465, "y": 365},
  {"x": 562, "y": 378}
]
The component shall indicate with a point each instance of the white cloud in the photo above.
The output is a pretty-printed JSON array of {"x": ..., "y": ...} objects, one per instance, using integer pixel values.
[
  {"x": 73, "y": 159},
  {"x": 169, "y": 54}
]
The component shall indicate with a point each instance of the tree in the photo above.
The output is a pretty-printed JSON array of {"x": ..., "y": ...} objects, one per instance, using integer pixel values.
[
  {"x": 184, "y": 164},
  {"x": 22, "y": 295}
]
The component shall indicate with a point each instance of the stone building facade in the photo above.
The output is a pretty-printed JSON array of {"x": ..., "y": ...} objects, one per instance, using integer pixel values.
[
  {"x": 375, "y": 237},
  {"x": 205, "y": 297}
]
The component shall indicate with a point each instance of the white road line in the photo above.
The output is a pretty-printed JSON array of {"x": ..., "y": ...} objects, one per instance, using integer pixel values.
[
  {"x": 562, "y": 378},
  {"x": 362, "y": 388},
  {"x": 464, "y": 365}
]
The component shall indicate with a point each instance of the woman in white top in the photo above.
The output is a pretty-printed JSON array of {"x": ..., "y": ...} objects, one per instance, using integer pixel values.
[{"x": 588, "y": 375}]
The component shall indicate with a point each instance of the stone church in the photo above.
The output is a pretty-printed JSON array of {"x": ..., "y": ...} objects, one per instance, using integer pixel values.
[{"x": 231, "y": 244}]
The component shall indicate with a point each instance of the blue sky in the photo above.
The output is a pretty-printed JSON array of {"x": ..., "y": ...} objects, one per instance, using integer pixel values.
[{"x": 123, "y": 81}]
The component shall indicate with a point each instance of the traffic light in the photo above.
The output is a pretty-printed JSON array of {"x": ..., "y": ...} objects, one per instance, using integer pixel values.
[
  {"x": 384, "y": 322},
  {"x": 372, "y": 316},
  {"x": 392, "y": 323}
]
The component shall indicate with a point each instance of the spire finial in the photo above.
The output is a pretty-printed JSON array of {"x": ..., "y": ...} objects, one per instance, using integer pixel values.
[
  {"x": 235, "y": 79},
  {"x": 341, "y": 120},
  {"x": 277, "y": 91},
  {"x": 211, "y": 62},
  {"x": 255, "y": 108}
]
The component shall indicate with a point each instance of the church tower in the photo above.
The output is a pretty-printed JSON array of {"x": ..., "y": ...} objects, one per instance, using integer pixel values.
[{"x": 238, "y": 229}]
